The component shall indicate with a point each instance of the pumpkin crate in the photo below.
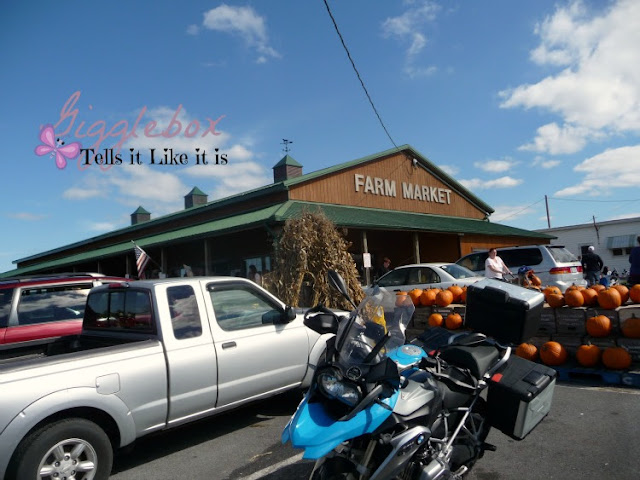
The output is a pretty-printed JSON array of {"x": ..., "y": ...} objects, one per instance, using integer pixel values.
[
  {"x": 627, "y": 312},
  {"x": 570, "y": 342},
  {"x": 421, "y": 317},
  {"x": 612, "y": 314},
  {"x": 547, "y": 322},
  {"x": 632, "y": 345},
  {"x": 602, "y": 342},
  {"x": 571, "y": 320}
]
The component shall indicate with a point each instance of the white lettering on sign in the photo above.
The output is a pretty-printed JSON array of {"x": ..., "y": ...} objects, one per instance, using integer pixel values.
[{"x": 387, "y": 188}]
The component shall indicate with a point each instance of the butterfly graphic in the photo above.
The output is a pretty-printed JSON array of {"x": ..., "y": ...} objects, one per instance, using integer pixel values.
[{"x": 56, "y": 147}]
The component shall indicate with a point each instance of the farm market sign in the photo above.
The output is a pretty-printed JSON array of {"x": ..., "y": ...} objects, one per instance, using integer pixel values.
[{"x": 387, "y": 188}]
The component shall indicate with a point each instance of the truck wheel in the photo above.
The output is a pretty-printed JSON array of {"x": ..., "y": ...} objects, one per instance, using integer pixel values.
[{"x": 70, "y": 449}]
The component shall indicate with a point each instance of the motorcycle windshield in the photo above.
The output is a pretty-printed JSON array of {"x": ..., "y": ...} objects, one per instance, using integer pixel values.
[{"x": 372, "y": 324}]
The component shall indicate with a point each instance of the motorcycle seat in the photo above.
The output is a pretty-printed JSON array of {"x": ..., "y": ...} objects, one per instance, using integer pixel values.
[{"x": 478, "y": 359}]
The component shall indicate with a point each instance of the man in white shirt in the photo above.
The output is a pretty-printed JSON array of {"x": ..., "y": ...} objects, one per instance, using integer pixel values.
[{"x": 494, "y": 267}]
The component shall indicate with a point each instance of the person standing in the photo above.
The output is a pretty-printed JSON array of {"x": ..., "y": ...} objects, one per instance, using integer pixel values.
[
  {"x": 494, "y": 267},
  {"x": 592, "y": 264},
  {"x": 386, "y": 267},
  {"x": 634, "y": 260},
  {"x": 254, "y": 275}
]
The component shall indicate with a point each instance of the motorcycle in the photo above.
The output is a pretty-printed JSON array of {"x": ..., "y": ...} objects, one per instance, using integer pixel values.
[{"x": 379, "y": 408}]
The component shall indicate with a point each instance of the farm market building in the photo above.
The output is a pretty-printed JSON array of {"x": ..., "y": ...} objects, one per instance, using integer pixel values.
[{"x": 394, "y": 203}]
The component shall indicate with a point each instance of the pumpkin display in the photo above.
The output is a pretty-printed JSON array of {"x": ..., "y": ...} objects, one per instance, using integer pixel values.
[
  {"x": 415, "y": 295},
  {"x": 428, "y": 297},
  {"x": 598, "y": 326},
  {"x": 609, "y": 298},
  {"x": 631, "y": 327},
  {"x": 616, "y": 358},
  {"x": 555, "y": 300},
  {"x": 401, "y": 297},
  {"x": 623, "y": 291},
  {"x": 590, "y": 297},
  {"x": 553, "y": 353},
  {"x": 573, "y": 298},
  {"x": 453, "y": 321},
  {"x": 634, "y": 293},
  {"x": 444, "y": 298},
  {"x": 528, "y": 351},
  {"x": 457, "y": 292},
  {"x": 435, "y": 320},
  {"x": 588, "y": 355},
  {"x": 463, "y": 295}
]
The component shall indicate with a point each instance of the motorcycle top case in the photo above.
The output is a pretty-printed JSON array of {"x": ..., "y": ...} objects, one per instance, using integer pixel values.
[
  {"x": 519, "y": 396},
  {"x": 509, "y": 313}
]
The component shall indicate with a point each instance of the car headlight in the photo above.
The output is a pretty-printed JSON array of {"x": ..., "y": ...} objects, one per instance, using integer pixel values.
[{"x": 333, "y": 386}]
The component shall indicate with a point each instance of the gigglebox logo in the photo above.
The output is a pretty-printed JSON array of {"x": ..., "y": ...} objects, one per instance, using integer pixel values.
[{"x": 70, "y": 124}]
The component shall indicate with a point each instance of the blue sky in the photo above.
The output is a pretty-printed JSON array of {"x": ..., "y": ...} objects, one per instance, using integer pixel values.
[{"x": 516, "y": 100}]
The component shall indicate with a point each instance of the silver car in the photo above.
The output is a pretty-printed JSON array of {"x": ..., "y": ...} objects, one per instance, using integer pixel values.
[
  {"x": 553, "y": 264},
  {"x": 423, "y": 276}
]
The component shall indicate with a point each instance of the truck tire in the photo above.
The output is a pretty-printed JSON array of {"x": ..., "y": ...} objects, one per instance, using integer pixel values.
[{"x": 71, "y": 448}]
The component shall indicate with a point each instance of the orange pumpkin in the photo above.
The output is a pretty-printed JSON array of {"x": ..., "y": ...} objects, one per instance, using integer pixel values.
[
  {"x": 609, "y": 298},
  {"x": 555, "y": 300},
  {"x": 528, "y": 351},
  {"x": 535, "y": 280},
  {"x": 551, "y": 290},
  {"x": 415, "y": 295},
  {"x": 428, "y": 297},
  {"x": 631, "y": 327},
  {"x": 623, "y": 291},
  {"x": 588, "y": 355},
  {"x": 401, "y": 297},
  {"x": 457, "y": 292},
  {"x": 590, "y": 297},
  {"x": 598, "y": 326},
  {"x": 634, "y": 293},
  {"x": 573, "y": 298},
  {"x": 598, "y": 287},
  {"x": 444, "y": 298},
  {"x": 463, "y": 296},
  {"x": 435, "y": 320},
  {"x": 453, "y": 321},
  {"x": 553, "y": 353},
  {"x": 616, "y": 358}
]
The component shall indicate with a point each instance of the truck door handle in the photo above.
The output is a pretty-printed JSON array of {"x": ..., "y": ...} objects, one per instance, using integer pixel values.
[{"x": 229, "y": 345}]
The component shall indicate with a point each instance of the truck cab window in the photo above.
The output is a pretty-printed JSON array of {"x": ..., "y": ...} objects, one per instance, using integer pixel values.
[
  {"x": 185, "y": 316},
  {"x": 238, "y": 308},
  {"x": 120, "y": 310}
]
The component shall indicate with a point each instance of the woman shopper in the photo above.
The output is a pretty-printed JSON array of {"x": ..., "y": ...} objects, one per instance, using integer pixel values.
[{"x": 494, "y": 267}]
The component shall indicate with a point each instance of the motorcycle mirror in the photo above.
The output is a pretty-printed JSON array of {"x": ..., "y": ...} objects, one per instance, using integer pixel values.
[{"x": 337, "y": 282}]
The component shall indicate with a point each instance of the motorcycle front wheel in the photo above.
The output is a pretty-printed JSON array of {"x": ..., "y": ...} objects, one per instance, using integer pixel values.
[{"x": 334, "y": 468}]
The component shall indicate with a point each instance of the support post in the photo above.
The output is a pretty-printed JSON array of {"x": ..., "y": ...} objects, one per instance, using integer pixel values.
[
  {"x": 416, "y": 247},
  {"x": 207, "y": 272},
  {"x": 365, "y": 249}
]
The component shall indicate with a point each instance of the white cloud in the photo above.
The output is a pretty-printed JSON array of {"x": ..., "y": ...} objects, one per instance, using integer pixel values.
[
  {"x": 102, "y": 226},
  {"x": 545, "y": 163},
  {"x": 618, "y": 167},
  {"x": 244, "y": 22},
  {"x": 30, "y": 217},
  {"x": 495, "y": 166},
  {"x": 597, "y": 92},
  {"x": 502, "y": 182},
  {"x": 449, "y": 169},
  {"x": 193, "y": 29},
  {"x": 78, "y": 193},
  {"x": 406, "y": 28},
  {"x": 511, "y": 212}
]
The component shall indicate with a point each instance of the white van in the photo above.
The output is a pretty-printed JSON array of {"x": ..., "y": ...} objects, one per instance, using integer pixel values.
[{"x": 553, "y": 264}]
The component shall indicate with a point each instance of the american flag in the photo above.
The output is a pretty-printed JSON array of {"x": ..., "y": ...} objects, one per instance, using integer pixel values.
[{"x": 141, "y": 260}]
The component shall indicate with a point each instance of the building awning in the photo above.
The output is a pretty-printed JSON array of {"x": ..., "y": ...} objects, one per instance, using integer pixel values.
[
  {"x": 346, "y": 216},
  {"x": 621, "y": 241}
]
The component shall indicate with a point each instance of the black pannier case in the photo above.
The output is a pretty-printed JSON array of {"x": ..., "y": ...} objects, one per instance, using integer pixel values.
[
  {"x": 520, "y": 396},
  {"x": 509, "y": 313}
]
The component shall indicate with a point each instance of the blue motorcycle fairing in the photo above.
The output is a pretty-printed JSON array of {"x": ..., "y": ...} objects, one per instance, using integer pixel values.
[{"x": 312, "y": 429}]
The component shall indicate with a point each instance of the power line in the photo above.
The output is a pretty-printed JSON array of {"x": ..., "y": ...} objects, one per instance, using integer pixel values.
[
  {"x": 520, "y": 211},
  {"x": 596, "y": 201},
  {"x": 335, "y": 25}
]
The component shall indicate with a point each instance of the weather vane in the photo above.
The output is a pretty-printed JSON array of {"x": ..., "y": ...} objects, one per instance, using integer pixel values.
[{"x": 286, "y": 143}]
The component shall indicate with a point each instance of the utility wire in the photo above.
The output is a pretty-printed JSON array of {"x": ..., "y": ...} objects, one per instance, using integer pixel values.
[
  {"x": 335, "y": 25},
  {"x": 597, "y": 201},
  {"x": 519, "y": 211}
]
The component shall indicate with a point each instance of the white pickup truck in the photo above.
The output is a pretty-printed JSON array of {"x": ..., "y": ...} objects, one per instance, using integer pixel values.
[{"x": 152, "y": 355}]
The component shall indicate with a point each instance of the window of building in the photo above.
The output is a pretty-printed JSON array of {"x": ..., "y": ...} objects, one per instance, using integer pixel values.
[{"x": 185, "y": 315}]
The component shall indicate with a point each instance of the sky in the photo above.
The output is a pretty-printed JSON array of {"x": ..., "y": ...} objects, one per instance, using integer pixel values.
[{"x": 518, "y": 101}]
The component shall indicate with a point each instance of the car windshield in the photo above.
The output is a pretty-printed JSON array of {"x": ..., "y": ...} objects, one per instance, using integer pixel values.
[
  {"x": 457, "y": 271},
  {"x": 562, "y": 255},
  {"x": 357, "y": 338}
]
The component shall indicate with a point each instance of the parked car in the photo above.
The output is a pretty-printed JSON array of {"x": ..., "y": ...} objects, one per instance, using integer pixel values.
[
  {"x": 423, "y": 275},
  {"x": 153, "y": 354},
  {"x": 43, "y": 306},
  {"x": 553, "y": 264}
]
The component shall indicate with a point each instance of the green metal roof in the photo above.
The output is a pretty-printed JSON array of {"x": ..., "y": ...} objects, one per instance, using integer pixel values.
[
  {"x": 287, "y": 160},
  {"x": 346, "y": 216},
  {"x": 141, "y": 210},
  {"x": 196, "y": 191}
]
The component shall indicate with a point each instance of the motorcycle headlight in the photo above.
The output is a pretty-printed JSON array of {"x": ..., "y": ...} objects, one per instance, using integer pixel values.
[{"x": 333, "y": 386}]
